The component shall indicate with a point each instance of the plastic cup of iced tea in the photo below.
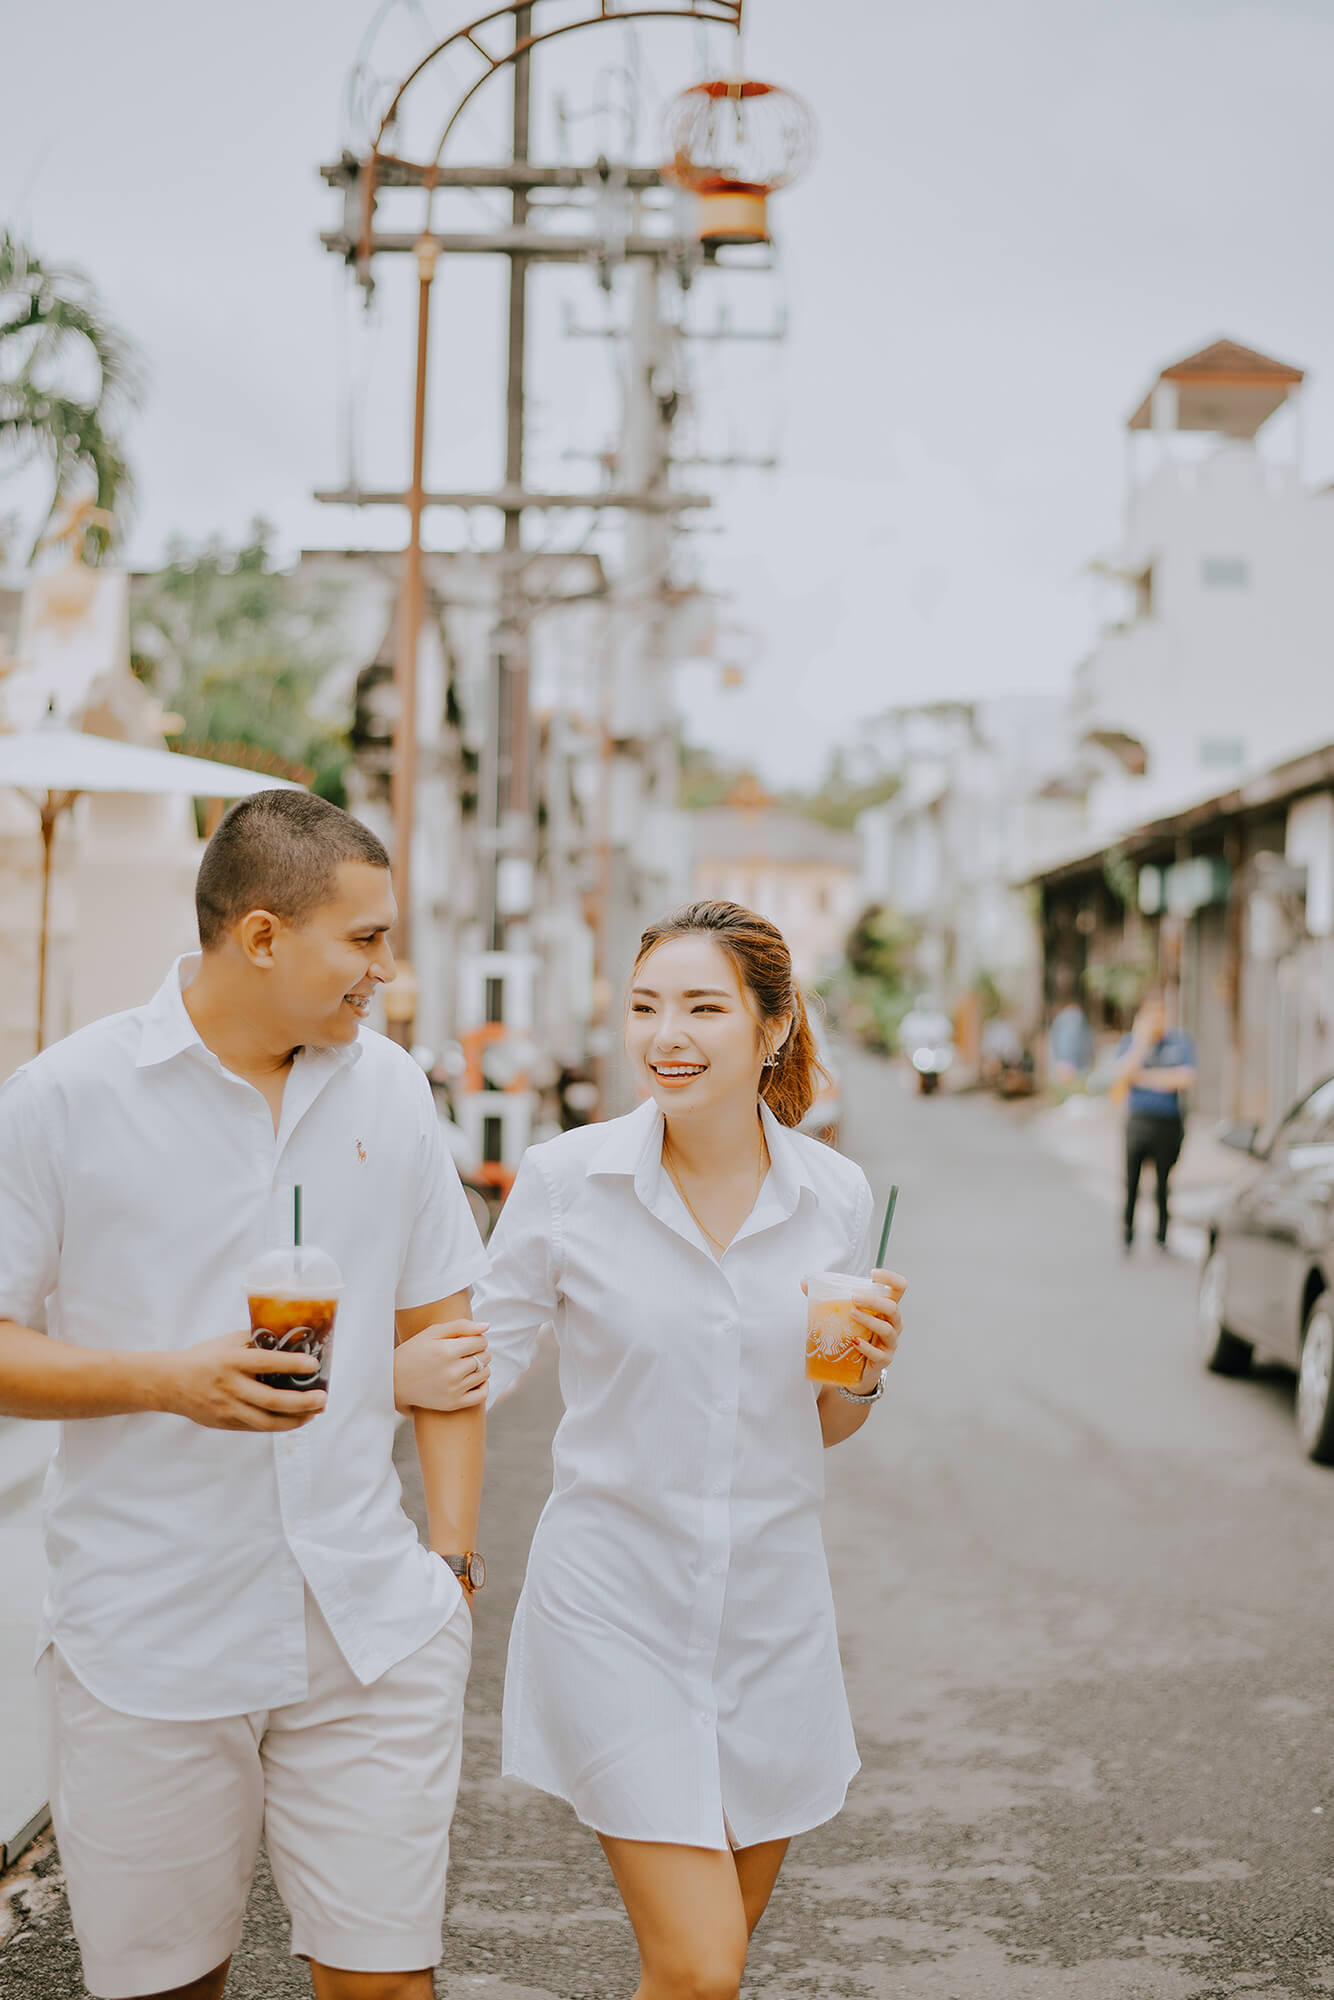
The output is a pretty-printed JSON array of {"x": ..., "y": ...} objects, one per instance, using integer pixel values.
[
  {"x": 832, "y": 1353},
  {"x": 293, "y": 1295}
]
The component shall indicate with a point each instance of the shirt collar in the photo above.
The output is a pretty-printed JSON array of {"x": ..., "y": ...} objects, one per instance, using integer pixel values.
[
  {"x": 167, "y": 1029},
  {"x": 633, "y": 1146}
]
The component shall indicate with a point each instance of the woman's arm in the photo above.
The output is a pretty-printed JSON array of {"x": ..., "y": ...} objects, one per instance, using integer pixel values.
[
  {"x": 839, "y": 1419},
  {"x": 512, "y": 1305},
  {"x": 1148, "y": 1078}
]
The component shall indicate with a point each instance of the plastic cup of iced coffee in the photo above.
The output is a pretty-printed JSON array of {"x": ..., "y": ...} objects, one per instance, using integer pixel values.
[
  {"x": 293, "y": 1295},
  {"x": 832, "y": 1353}
]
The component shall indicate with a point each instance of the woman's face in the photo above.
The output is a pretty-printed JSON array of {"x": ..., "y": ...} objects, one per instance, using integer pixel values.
[{"x": 692, "y": 1032}]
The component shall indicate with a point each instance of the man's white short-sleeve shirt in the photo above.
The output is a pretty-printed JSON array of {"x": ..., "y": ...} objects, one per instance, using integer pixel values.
[{"x": 138, "y": 1179}]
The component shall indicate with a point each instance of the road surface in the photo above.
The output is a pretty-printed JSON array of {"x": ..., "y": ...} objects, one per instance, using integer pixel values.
[{"x": 1087, "y": 1603}]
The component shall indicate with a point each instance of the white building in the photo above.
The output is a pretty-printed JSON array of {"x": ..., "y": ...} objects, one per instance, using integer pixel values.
[
  {"x": 1220, "y": 660},
  {"x": 984, "y": 786},
  {"x": 800, "y": 874}
]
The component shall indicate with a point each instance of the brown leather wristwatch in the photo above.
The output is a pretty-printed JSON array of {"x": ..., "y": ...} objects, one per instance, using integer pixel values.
[{"x": 470, "y": 1569}]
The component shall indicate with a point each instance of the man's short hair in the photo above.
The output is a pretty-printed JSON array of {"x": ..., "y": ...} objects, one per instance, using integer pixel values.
[{"x": 277, "y": 851}]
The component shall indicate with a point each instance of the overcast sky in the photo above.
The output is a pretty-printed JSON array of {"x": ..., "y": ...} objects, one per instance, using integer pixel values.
[{"x": 1021, "y": 209}]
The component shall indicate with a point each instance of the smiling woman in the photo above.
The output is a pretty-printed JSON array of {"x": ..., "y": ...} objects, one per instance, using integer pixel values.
[
  {"x": 752, "y": 970},
  {"x": 665, "y": 1675}
]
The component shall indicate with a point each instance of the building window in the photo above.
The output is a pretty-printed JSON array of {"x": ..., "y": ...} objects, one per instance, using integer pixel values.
[
  {"x": 1221, "y": 753},
  {"x": 495, "y": 1000},
  {"x": 493, "y": 1132},
  {"x": 1225, "y": 573}
]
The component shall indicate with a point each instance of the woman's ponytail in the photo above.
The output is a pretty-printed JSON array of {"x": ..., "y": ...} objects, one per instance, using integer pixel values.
[
  {"x": 790, "y": 1085},
  {"x": 759, "y": 951}
]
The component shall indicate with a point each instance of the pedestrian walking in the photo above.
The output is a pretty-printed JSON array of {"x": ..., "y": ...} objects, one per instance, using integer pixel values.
[
  {"x": 242, "y": 1633},
  {"x": 1069, "y": 1045},
  {"x": 673, "y": 1666},
  {"x": 1155, "y": 1067}
]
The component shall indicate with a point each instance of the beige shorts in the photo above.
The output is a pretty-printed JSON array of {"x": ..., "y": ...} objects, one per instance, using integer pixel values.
[{"x": 353, "y": 1790}]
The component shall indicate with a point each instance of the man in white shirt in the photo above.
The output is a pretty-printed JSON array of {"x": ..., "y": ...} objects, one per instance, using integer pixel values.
[{"x": 242, "y": 1633}]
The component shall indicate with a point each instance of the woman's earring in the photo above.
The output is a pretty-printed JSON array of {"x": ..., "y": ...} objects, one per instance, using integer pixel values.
[{"x": 769, "y": 1062}]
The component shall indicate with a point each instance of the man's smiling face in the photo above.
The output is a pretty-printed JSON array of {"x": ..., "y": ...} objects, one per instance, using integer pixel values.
[{"x": 326, "y": 968}]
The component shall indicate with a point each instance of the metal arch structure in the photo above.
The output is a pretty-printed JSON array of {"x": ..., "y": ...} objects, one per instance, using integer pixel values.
[
  {"x": 524, "y": 40},
  {"x": 722, "y": 13}
]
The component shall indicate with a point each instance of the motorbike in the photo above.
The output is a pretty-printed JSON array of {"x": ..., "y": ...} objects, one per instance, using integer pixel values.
[
  {"x": 931, "y": 1061},
  {"x": 926, "y": 1037}
]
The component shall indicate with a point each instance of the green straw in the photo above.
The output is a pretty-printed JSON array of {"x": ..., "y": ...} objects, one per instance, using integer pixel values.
[
  {"x": 296, "y": 1216},
  {"x": 884, "y": 1233}
]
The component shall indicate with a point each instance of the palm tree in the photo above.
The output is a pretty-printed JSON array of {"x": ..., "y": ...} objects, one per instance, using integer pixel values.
[{"x": 66, "y": 374}]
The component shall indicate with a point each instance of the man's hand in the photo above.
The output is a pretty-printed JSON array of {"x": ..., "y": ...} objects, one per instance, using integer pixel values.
[
  {"x": 214, "y": 1384},
  {"x": 447, "y": 1366}
]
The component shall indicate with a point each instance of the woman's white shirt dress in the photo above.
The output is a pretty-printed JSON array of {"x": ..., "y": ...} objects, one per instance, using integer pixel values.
[{"x": 673, "y": 1665}]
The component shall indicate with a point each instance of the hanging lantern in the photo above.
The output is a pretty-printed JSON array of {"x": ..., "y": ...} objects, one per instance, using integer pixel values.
[{"x": 732, "y": 142}]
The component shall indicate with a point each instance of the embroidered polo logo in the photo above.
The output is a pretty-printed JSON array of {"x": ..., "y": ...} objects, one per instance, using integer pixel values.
[{"x": 361, "y": 1152}]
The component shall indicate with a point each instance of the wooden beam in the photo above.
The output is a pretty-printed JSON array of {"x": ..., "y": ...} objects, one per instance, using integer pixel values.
[
  {"x": 513, "y": 174},
  {"x": 511, "y": 499},
  {"x": 537, "y": 244}
]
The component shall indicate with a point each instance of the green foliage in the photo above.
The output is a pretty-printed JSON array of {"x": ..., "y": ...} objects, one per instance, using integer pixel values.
[
  {"x": 990, "y": 995},
  {"x": 66, "y": 376},
  {"x": 705, "y": 779},
  {"x": 1120, "y": 983},
  {"x": 218, "y": 635},
  {"x": 1119, "y": 873},
  {"x": 837, "y": 802},
  {"x": 873, "y": 993}
]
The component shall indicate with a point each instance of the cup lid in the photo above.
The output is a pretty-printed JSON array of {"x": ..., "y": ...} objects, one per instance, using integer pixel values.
[
  {"x": 841, "y": 1282},
  {"x": 303, "y": 1269}
]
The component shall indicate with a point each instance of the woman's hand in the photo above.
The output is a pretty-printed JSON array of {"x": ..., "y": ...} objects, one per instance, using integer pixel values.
[
  {"x": 883, "y": 1323},
  {"x": 444, "y": 1367}
]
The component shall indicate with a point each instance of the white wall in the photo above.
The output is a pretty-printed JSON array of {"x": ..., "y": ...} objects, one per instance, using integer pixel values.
[
  {"x": 1232, "y": 667},
  {"x": 1309, "y": 843}
]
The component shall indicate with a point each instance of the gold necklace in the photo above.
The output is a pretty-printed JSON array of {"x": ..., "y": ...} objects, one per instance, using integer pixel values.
[{"x": 701, "y": 1226}]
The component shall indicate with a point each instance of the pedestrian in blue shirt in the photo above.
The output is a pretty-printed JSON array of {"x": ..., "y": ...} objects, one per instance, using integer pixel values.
[
  {"x": 1156, "y": 1063},
  {"x": 1070, "y": 1044}
]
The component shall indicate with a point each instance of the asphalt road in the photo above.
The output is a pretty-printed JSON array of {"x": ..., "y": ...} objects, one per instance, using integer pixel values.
[{"x": 1087, "y": 1603}]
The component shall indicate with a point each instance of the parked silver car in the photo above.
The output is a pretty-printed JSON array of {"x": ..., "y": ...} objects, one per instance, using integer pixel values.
[{"x": 1268, "y": 1279}]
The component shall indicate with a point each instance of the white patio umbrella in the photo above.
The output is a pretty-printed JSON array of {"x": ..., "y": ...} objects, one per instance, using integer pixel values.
[{"x": 52, "y": 765}]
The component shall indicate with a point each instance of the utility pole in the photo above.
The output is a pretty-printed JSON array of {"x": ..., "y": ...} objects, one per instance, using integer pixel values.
[
  {"x": 495, "y": 1011},
  {"x": 404, "y": 775},
  {"x": 638, "y": 731},
  {"x": 512, "y": 823}
]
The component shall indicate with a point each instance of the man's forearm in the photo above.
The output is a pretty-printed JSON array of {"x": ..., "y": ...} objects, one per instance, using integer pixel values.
[
  {"x": 451, "y": 1448},
  {"x": 50, "y": 1381},
  {"x": 1149, "y": 1078}
]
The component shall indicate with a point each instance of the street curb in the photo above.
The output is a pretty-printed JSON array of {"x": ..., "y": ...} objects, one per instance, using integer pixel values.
[{"x": 14, "y": 1850}]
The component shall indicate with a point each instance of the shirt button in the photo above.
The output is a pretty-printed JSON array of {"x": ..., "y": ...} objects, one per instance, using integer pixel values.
[
  {"x": 719, "y": 1569},
  {"x": 705, "y": 1717}
]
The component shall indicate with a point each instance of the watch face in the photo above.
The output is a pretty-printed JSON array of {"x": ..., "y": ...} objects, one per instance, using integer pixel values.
[{"x": 476, "y": 1571}]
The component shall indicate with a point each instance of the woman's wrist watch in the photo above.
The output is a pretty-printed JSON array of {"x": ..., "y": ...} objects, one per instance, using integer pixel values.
[
  {"x": 470, "y": 1569},
  {"x": 871, "y": 1396}
]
